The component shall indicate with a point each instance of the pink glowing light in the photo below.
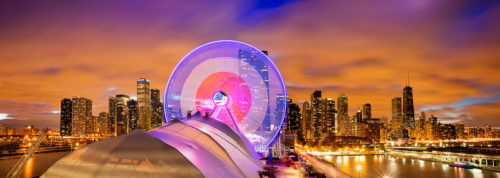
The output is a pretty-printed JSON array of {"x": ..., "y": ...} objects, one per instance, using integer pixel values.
[{"x": 238, "y": 102}]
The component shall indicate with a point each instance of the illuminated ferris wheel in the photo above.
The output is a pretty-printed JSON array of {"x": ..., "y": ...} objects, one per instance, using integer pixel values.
[{"x": 234, "y": 83}]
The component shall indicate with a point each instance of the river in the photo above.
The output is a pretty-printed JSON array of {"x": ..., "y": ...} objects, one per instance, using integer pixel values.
[
  {"x": 35, "y": 167},
  {"x": 387, "y": 166}
]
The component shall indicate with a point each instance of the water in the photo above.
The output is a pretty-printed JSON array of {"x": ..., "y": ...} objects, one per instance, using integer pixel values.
[
  {"x": 386, "y": 166},
  {"x": 35, "y": 167}
]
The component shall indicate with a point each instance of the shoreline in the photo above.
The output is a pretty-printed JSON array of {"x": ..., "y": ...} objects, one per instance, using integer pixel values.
[{"x": 399, "y": 155}]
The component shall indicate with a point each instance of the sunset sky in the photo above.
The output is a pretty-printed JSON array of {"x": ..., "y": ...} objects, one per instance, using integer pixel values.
[{"x": 50, "y": 50}]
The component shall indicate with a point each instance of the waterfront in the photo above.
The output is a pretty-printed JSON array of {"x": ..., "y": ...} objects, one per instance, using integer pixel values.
[
  {"x": 35, "y": 167},
  {"x": 387, "y": 166}
]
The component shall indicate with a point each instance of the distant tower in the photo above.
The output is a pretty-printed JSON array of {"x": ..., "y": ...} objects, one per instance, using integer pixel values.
[
  {"x": 81, "y": 115},
  {"x": 66, "y": 116},
  {"x": 359, "y": 116},
  {"x": 329, "y": 114},
  {"x": 113, "y": 122},
  {"x": 144, "y": 104},
  {"x": 103, "y": 124},
  {"x": 122, "y": 114},
  {"x": 133, "y": 116},
  {"x": 306, "y": 121},
  {"x": 397, "y": 121},
  {"x": 316, "y": 113},
  {"x": 367, "y": 112},
  {"x": 157, "y": 115},
  {"x": 408, "y": 110},
  {"x": 342, "y": 109},
  {"x": 294, "y": 118}
]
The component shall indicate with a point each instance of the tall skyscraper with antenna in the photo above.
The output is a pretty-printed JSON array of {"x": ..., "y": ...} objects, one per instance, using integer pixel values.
[{"x": 408, "y": 109}]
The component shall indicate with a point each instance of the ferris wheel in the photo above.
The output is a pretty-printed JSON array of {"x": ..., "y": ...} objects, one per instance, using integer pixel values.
[{"x": 234, "y": 83}]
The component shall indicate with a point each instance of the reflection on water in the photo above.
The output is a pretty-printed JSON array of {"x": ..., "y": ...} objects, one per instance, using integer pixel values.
[
  {"x": 386, "y": 166},
  {"x": 35, "y": 167}
]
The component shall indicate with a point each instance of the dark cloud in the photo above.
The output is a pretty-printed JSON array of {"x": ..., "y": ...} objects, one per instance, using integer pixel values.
[{"x": 48, "y": 71}]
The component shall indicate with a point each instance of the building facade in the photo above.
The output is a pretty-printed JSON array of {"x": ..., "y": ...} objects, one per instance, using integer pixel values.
[
  {"x": 66, "y": 117},
  {"x": 144, "y": 104},
  {"x": 342, "y": 109}
]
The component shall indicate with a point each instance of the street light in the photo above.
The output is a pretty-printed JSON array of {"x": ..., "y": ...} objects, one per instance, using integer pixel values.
[{"x": 359, "y": 170}]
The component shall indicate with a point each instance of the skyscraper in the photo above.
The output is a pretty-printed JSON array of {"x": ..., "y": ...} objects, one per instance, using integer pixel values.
[
  {"x": 342, "y": 109},
  {"x": 103, "y": 124},
  {"x": 367, "y": 112},
  {"x": 133, "y": 116},
  {"x": 397, "y": 122},
  {"x": 408, "y": 110},
  {"x": 144, "y": 104},
  {"x": 81, "y": 113},
  {"x": 316, "y": 114},
  {"x": 113, "y": 122},
  {"x": 359, "y": 116},
  {"x": 350, "y": 124},
  {"x": 420, "y": 126},
  {"x": 294, "y": 118},
  {"x": 329, "y": 114},
  {"x": 307, "y": 122},
  {"x": 66, "y": 117},
  {"x": 157, "y": 106},
  {"x": 460, "y": 130},
  {"x": 122, "y": 115}
]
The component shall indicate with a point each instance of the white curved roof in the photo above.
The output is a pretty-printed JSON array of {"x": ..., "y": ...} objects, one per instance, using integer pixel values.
[
  {"x": 234, "y": 143},
  {"x": 133, "y": 155},
  {"x": 193, "y": 147}
]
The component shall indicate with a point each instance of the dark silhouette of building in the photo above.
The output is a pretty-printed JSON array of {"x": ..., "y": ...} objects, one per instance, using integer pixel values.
[
  {"x": 447, "y": 132},
  {"x": 316, "y": 114},
  {"x": 112, "y": 116},
  {"x": 157, "y": 114},
  {"x": 373, "y": 131},
  {"x": 367, "y": 112},
  {"x": 408, "y": 110},
  {"x": 294, "y": 118},
  {"x": 133, "y": 116},
  {"x": 66, "y": 117},
  {"x": 359, "y": 116}
]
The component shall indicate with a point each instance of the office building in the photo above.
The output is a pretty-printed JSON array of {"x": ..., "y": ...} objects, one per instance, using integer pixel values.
[
  {"x": 144, "y": 104},
  {"x": 342, "y": 109},
  {"x": 367, "y": 112},
  {"x": 122, "y": 114},
  {"x": 81, "y": 114},
  {"x": 66, "y": 117},
  {"x": 157, "y": 109}
]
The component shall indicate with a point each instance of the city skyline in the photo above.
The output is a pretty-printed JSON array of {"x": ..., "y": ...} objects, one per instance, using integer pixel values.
[{"x": 449, "y": 51}]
